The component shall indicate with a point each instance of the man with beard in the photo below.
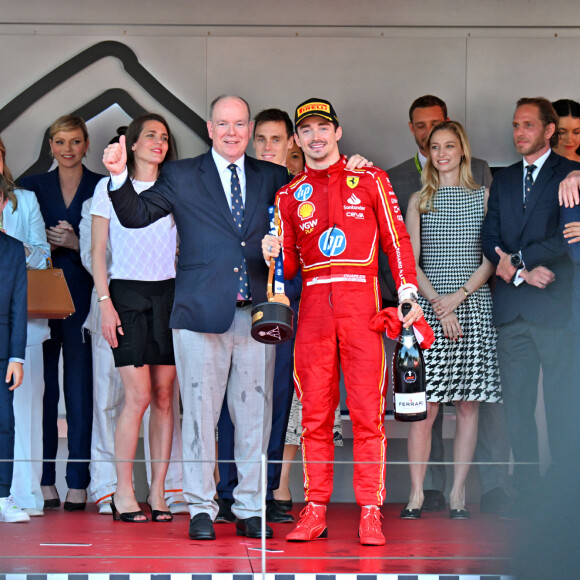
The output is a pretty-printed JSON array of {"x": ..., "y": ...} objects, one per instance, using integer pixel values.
[{"x": 521, "y": 236}]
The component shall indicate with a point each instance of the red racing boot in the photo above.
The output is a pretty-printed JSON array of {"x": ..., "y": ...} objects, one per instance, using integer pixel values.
[
  {"x": 311, "y": 526},
  {"x": 369, "y": 530}
]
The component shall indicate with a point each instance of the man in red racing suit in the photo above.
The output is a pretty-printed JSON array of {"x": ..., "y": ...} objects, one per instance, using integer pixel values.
[{"x": 332, "y": 221}]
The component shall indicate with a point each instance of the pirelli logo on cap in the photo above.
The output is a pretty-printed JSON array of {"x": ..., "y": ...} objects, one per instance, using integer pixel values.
[
  {"x": 315, "y": 106},
  {"x": 312, "y": 107}
]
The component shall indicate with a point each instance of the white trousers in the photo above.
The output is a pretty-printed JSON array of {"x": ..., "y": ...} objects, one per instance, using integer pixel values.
[
  {"x": 108, "y": 400},
  {"x": 28, "y": 432},
  {"x": 211, "y": 367}
]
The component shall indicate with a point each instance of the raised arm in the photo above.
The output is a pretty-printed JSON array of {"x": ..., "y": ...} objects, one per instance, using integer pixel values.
[
  {"x": 133, "y": 210},
  {"x": 115, "y": 157}
]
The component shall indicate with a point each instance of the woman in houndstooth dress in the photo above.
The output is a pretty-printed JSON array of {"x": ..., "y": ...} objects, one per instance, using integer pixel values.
[{"x": 444, "y": 221}]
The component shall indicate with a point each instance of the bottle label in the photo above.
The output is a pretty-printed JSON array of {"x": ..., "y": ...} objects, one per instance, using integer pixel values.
[
  {"x": 410, "y": 402},
  {"x": 407, "y": 340},
  {"x": 410, "y": 377}
]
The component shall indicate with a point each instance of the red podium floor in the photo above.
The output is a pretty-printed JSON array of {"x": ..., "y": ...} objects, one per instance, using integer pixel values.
[{"x": 88, "y": 543}]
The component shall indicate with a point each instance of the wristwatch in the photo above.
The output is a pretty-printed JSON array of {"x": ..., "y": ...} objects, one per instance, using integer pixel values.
[{"x": 516, "y": 261}]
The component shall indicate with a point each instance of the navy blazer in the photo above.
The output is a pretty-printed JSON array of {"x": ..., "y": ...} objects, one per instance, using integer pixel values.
[
  {"x": 536, "y": 233},
  {"x": 568, "y": 215},
  {"x": 211, "y": 246},
  {"x": 46, "y": 186},
  {"x": 13, "y": 298}
]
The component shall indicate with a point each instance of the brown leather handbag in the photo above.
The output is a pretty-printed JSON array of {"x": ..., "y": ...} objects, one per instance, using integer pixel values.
[{"x": 48, "y": 294}]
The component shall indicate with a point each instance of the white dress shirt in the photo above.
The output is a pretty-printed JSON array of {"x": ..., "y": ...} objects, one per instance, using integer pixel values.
[{"x": 226, "y": 175}]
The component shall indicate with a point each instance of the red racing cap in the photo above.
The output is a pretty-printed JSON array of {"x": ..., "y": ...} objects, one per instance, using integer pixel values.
[{"x": 318, "y": 107}]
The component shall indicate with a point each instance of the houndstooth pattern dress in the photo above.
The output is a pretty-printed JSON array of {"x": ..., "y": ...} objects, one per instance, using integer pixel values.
[{"x": 465, "y": 370}]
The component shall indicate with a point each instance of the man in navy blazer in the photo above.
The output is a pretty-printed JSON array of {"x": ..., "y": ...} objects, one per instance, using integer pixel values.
[
  {"x": 532, "y": 299},
  {"x": 13, "y": 319},
  {"x": 211, "y": 317}
]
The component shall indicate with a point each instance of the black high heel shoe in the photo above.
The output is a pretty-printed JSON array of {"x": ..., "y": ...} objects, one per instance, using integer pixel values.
[
  {"x": 50, "y": 495},
  {"x": 126, "y": 516},
  {"x": 157, "y": 515},
  {"x": 80, "y": 500}
]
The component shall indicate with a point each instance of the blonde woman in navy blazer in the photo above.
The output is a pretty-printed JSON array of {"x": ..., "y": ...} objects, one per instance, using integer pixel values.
[{"x": 61, "y": 194}]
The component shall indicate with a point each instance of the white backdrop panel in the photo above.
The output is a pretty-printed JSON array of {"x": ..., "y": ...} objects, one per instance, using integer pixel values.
[
  {"x": 371, "y": 82},
  {"x": 177, "y": 62},
  {"x": 502, "y": 70}
]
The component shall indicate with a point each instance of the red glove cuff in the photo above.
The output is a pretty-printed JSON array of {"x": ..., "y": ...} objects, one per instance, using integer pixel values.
[{"x": 387, "y": 320}]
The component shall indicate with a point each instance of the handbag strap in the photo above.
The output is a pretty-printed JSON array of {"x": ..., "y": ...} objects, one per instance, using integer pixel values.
[{"x": 49, "y": 263}]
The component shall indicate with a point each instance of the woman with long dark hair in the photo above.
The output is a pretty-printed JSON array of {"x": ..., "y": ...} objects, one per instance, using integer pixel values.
[{"x": 135, "y": 307}]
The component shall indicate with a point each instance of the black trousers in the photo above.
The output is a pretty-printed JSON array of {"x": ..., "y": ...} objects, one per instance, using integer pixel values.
[{"x": 522, "y": 349}]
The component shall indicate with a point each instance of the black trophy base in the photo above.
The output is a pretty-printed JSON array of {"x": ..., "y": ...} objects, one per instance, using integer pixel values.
[{"x": 272, "y": 323}]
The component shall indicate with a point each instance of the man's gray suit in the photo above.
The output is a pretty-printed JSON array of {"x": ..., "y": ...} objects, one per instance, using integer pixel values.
[{"x": 211, "y": 331}]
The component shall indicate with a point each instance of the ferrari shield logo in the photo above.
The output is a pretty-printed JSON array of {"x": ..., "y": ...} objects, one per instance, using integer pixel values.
[{"x": 352, "y": 182}]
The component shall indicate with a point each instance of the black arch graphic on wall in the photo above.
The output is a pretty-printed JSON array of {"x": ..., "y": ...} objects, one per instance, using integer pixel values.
[
  {"x": 22, "y": 102},
  {"x": 88, "y": 111}
]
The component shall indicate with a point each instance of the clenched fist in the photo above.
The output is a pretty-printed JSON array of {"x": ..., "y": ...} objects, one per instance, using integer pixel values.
[{"x": 115, "y": 157}]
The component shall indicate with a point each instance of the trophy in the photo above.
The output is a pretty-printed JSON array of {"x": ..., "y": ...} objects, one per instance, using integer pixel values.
[{"x": 272, "y": 321}]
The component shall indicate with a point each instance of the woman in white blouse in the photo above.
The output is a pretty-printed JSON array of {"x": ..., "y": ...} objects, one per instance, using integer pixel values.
[
  {"x": 23, "y": 221},
  {"x": 135, "y": 307}
]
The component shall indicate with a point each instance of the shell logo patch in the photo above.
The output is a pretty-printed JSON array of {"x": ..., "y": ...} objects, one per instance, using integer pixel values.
[
  {"x": 352, "y": 181},
  {"x": 303, "y": 193},
  {"x": 306, "y": 210}
]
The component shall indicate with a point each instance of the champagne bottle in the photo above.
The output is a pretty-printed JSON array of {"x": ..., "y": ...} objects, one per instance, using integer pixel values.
[{"x": 409, "y": 393}]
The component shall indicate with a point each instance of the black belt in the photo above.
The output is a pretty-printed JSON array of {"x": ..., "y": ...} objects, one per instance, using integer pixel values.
[{"x": 243, "y": 303}]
